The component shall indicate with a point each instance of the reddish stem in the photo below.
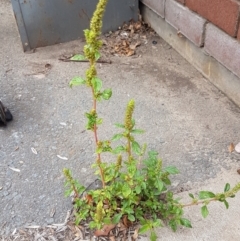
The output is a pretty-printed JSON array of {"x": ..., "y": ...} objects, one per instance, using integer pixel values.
[{"x": 96, "y": 141}]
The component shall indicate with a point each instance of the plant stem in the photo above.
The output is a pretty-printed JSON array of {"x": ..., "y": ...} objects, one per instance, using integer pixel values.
[
  {"x": 129, "y": 150},
  {"x": 218, "y": 197},
  {"x": 96, "y": 141},
  {"x": 198, "y": 202}
]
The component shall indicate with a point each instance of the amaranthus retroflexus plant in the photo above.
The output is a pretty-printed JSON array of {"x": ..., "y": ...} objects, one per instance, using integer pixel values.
[
  {"x": 92, "y": 54},
  {"x": 135, "y": 186}
]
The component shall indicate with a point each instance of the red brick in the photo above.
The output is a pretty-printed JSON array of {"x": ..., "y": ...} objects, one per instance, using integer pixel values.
[
  {"x": 223, "y": 13},
  {"x": 223, "y": 48},
  {"x": 156, "y": 5},
  {"x": 238, "y": 36},
  {"x": 191, "y": 25}
]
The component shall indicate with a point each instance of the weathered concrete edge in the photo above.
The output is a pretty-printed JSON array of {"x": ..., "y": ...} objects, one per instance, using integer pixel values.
[{"x": 219, "y": 75}]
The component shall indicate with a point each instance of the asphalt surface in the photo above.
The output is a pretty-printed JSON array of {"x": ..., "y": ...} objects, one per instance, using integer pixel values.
[{"x": 187, "y": 120}]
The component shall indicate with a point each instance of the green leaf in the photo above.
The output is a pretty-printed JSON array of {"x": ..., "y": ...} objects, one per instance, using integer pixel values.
[
  {"x": 97, "y": 84},
  {"x": 117, "y": 137},
  {"x": 204, "y": 211},
  {"x": 99, "y": 121},
  {"x": 78, "y": 57},
  {"x": 191, "y": 195},
  {"x": 157, "y": 223},
  {"x": 76, "y": 81},
  {"x": 106, "y": 94},
  {"x": 227, "y": 187},
  {"x": 206, "y": 194},
  {"x": 144, "y": 185},
  {"x": 118, "y": 149},
  {"x": 137, "y": 189},
  {"x": 117, "y": 218},
  {"x": 153, "y": 236},
  {"x": 133, "y": 123},
  {"x": 185, "y": 222},
  {"x": 68, "y": 193},
  {"x": 137, "y": 131},
  {"x": 126, "y": 190},
  {"x": 97, "y": 55},
  {"x": 144, "y": 228},
  {"x": 107, "y": 220},
  {"x": 171, "y": 170},
  {"x": 119, "y": 125},
  {"x": 152, "y": 154},
  {"x": 136, "y": 147},
  {"x": 226, "y": 204},
  {"x": 159, "y": 185},
  {"x": 131, "y": 218},
  {"x": 173, "y": 224}
]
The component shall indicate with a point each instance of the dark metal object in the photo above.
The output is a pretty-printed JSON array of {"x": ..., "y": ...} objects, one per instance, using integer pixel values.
[
  {"x": 5, "y": 115},
  {"x": 47, "y": 22}
]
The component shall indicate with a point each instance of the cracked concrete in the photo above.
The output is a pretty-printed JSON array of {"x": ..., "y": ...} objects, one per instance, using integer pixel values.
[{"x": 187, "y": 120}]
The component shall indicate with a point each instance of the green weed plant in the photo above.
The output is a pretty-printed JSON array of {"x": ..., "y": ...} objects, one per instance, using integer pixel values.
[{"x": 135, "y": 186}]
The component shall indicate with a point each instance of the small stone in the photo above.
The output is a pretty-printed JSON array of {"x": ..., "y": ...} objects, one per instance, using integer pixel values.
[
  {"x": 49, "y": 220},
  {"x": 237, "y": 148},
  {"x": 238, "y": 171}
]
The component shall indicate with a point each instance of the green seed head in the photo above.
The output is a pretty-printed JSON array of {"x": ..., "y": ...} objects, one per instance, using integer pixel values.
[{"x": 128, "y": 115}]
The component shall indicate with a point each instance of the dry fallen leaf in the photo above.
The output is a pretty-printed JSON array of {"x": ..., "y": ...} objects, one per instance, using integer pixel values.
[
  {"x": 112, "y": 238},
  {"x": 231, "y": 147},
  {"x": 89, "y": 198},
  {"x": 135, "y": 235},
  {"x": 78, "y": 233},
  {"x": 130, "y": 52},
  {"x": 105, "y": 230},
  {"x": 238, "y": 171},
  {"x": 14, "y": 169},
  {"x": 126, "y": 222}
]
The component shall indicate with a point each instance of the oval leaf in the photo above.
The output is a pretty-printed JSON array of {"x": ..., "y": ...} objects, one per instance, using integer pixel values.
[
  {"x": 117, "y": 137},
  {"x": 171, "y": 170},
  {"x": 204, "y": 211},
  {"x": 191, "y": 195},
  {"x": 136, "y": 147},
  {"x": 206, "y": 194},
  {"x": 159, "y": 185},
  {"x": 185, "y": 222},
  {"x": 117, "y": 218},
  {"x": 226, "y": 204},
  {"x": 97, "y": 84},
  {"x": 227, "y": 187},
  {"x": 106, "y": 94},
  {"x": 118, "y": 149},
  {"x": 137, "y": 131},
  {"x": 78, "y": 57},
  {"x": 126, "y": 190},
  {"x": 76, "y": 81},
  {"x": 131, "y": 218},
  {"x": 97, "y": 55}
]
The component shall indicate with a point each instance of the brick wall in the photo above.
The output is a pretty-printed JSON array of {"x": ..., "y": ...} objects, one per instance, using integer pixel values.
[{"x": 212, "y": 25}]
